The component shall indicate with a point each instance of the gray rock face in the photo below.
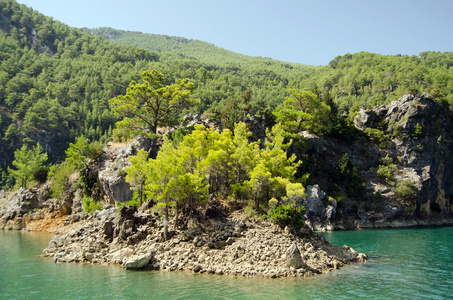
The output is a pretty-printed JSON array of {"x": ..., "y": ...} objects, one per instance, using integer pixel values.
[
  {"x": 314, "y": 207},
  {"x": 16, "y": 205},
  {"x": 112, "y": 172},
  {"x": 293, "y": 257},
  {"x": 421, "y": 143}
]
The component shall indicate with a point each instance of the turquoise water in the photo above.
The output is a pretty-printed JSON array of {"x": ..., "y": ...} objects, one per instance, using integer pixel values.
[{"x": 404, "y": 264}]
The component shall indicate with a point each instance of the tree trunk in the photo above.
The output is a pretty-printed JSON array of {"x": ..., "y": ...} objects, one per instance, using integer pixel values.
[
  {"x": 176, "y": 214},
  {"x": 141, "y": 194},
  {"x": 166, "y": 222}
]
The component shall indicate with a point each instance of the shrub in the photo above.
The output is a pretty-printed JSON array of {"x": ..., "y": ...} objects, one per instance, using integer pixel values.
[
  {"x": 386, "y": 161},
  {"x": 285, "y": 215},
  {"x": 351, "y": 177},
  {"x": 272, "y": 203},
  {"x": 385, "y": 173},
  {"x": 95, "y": 150},
  {"x": 60, "y": 175},
  {"x": 406, "y": 192},
  {"x": 377, "y": 136},
  {"x": 89, "y": 205},
  {"x": 134, "y": 202}
]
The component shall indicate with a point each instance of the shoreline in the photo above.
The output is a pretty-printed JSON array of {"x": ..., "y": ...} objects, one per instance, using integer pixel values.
[{"x": 229, "y": 246}]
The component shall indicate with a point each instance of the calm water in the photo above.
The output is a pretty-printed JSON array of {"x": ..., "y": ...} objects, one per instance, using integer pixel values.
[{"x": 404, "y": 264}]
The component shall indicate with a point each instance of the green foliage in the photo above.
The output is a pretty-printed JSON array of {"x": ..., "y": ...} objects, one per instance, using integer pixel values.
[
  {"x": 351, "y": 178},
  {"x": 386, "y": 169},
  {"x": 151, "y": 103},
  {"x": 55, "y": 81},
  {"x": 60, "y": 178},
  {"x": 137, "y": 173},
  {"x": 417, "y": 131},
  {"x": 302, "y": 110},
  {"x": 134, "y": 202},
  {"x": 406, "y": 192},
  {"x": 95, "y": 150},
  {"x": 29, "y": 165},
  {"x": 209, "y": 162},
  {"x": 231, "y": 114},
  {"x": 386, "y": 161},
  {"x": 285, "y": 215},
  {"x": 76, "y": 153},
  {"x": 385, "y": 173},
  {"x": 88, "y": 181},
  {"x": 90, "y": 205},
  {"x": 377, "y": 136}
]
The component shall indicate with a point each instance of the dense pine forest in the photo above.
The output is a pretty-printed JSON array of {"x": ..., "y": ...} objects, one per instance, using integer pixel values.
[{"x": 56, "y": 81}]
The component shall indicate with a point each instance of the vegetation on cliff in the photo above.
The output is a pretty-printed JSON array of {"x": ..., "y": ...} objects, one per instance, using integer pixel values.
[{"x": 56, "y": 82}]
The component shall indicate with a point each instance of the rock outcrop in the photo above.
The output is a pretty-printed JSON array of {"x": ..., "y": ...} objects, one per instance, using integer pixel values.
[
  {"x": 420, "y": 142},
  {"x": 233, "y": 246},
  {"x": 17, "y": 208}
]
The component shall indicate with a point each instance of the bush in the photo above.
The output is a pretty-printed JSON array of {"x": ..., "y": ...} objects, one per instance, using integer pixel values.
[
  {"x": 351, "y": 177},
  {"x": 89, "y": 205},
  {"x": 284, "y": 215},
  {"x": 134, "y": 202},
  {"x": 95, "y": 150},
  {"x": 386, "y": 161},
  {"x": 377, "y": 136},
  {"x": 406, "y": 192},
  {"x": 60, "y": 175},
  {"x": 385, "y": 173}
]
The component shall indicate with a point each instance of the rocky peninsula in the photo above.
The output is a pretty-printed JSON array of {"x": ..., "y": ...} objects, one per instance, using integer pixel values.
[
  {"x": 219, "y": 244},
  {"x": 413, "y": 134}
]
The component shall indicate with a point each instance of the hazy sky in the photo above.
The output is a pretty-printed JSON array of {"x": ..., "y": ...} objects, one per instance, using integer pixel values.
[{"x": 304, "y": 31}]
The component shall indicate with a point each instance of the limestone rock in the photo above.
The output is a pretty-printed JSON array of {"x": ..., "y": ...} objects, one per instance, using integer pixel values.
[
  {"x": 136, "y": 262},
  {"x": 314, "y": 207},
  {"x": 119, "y": 256},
  {"x": 293, "y": 257}
]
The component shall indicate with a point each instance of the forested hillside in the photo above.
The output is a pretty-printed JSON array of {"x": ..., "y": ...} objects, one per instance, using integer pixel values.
[
  {"x": 353, "y": 80},
  {"x": 55, "y": 81}
]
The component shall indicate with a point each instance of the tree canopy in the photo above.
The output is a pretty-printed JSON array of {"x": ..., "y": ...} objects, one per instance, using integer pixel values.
[
  {"x": 151, "y": 103},
  {"x": 28, "y": 164}
]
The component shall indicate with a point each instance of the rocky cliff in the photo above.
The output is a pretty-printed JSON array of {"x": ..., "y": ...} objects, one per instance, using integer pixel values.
[
  {"x": 421, "y": 143},
  {"x": 414, "y": 136}
]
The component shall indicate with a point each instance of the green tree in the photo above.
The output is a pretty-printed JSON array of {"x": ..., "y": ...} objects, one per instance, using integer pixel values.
[
  {"x": 151, "y": 103},
  {"x": 28, "y": 163},
  {"x": 406, "y": 192},
  {"x": 302, "y": 110},
  {"x": 137, "y": 173},
  {"x": 76, "y": 153},
  {"x": 60, "y": 178}
]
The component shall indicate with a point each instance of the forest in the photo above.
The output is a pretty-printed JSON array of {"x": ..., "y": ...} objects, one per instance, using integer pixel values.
[{"x": 56, "y": 82}]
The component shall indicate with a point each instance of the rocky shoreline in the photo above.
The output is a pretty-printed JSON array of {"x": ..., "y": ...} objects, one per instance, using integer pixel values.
[{"x": 230, "y": 245}]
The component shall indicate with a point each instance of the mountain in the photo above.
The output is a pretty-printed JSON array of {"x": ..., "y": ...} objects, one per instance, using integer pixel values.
[
  {"x": 354, "y": 80},
  {"x": 178, "y": 46}
]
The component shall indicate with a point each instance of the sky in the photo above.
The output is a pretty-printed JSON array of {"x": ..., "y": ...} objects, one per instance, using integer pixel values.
[{"x": 310, "y": 32}]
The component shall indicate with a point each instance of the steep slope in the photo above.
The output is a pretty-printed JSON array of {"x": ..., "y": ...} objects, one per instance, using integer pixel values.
[{"x": 55, "y": 82}]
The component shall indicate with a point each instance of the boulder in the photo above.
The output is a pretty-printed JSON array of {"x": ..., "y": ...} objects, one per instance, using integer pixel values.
[
  {"x": 119, "y": 256},
  {"x": 293, "y": 257},
  {"x": 136, "y": 262}
]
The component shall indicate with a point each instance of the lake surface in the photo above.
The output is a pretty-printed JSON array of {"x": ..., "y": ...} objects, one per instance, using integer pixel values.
[{"x": 404, "y": 264}]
